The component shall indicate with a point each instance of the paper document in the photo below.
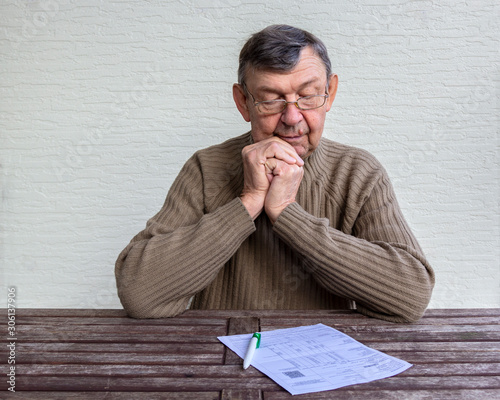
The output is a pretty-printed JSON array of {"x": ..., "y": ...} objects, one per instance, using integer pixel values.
[{"x": 315, "y": 358}]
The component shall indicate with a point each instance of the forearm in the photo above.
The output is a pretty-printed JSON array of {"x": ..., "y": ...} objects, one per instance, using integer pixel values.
[
  {"x": 161, "y": 269},
  {"x": 388, "y": 280}
]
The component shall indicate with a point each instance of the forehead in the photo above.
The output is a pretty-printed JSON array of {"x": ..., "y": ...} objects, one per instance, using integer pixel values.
[{"x": 309, "y": 71}]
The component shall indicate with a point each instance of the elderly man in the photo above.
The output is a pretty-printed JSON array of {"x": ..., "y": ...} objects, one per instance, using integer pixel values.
[{"x": 278, "y": 218}]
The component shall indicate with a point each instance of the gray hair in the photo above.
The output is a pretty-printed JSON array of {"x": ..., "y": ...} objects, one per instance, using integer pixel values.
[{"x": 277, "y": 48}]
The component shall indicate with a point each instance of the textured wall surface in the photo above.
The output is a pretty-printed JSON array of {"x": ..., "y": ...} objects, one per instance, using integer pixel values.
[{"x": 102, "y": 102}]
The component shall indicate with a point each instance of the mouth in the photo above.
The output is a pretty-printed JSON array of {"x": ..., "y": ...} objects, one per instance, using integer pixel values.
[{"x": 291, "y": 138}]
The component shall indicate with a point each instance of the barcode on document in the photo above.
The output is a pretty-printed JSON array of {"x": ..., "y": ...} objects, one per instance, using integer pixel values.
[{"x": 294, "y": 374}]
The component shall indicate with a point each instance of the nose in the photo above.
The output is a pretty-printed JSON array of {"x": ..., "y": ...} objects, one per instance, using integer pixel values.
[{"x": 291, "y": 115}]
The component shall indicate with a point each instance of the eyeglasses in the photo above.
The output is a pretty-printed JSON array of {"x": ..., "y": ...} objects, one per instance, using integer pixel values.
[{"x": 279, "y": 105}]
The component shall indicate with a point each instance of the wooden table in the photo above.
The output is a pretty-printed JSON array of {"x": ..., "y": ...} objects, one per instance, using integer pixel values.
[{"x": 102, "y": 354}]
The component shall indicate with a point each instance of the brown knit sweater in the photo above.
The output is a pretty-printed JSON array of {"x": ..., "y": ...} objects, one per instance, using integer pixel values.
[{"x": 343, "y": 244}]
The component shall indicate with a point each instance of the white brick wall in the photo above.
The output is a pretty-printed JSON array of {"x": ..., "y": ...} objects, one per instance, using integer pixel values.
[{"x": 102, "y": 102}]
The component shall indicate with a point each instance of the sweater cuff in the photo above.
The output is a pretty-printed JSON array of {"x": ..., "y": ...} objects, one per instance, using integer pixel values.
[
  {"x": 292, "y": 217},
  {"x": 292, "y": 213},
  {"x": 235, "y": 214}
]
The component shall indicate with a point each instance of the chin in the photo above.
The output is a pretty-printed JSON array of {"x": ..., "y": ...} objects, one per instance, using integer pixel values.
[{"x": 302, "y": 152}]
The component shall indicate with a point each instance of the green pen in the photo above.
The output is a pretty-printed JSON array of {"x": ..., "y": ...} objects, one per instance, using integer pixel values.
[{"x": 252, "y": 346}]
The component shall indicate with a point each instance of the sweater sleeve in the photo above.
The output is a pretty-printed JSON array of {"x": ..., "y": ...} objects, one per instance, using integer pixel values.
[
  {"x": 181, "y": 250},
  {"x": 379, "y": 264}
]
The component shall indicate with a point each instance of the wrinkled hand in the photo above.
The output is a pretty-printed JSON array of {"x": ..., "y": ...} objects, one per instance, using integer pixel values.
[
  {"x": 264, "y": 163},
  {"x": 283, "y": 188}
]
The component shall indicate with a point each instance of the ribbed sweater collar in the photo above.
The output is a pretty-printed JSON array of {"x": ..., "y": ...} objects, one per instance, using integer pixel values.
[{"x": 314, "y": 165}]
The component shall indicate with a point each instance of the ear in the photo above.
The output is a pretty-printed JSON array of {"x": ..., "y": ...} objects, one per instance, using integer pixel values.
[
  {"x": 240, "y": 99},
  {"x": 333, "y": 83}
]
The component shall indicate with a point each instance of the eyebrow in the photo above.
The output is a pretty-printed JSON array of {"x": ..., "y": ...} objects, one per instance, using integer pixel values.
[{"x": 268, "y": 89}]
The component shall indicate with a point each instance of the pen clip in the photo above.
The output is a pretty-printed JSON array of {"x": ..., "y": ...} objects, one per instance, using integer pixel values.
[{"x": 257, "y": 335}]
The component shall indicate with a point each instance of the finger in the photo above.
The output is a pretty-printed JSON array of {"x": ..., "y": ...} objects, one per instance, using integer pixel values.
[
  {"x": 282, "y": 151},
  {"x": 284, "y": 169},
  {"x": 290, "y": 150},
  {"x": 270, "y": 165}
]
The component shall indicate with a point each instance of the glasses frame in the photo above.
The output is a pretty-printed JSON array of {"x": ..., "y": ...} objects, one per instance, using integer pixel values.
[{"x": 285, "y": 103}]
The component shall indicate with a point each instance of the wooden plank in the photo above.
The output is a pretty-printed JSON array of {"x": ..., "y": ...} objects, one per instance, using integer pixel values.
[
  {"x": 109, "y": 334},
  {"x": 117, "y": 330},
  {"x": 214, "y": 395},
  {"x": 466, "y": 320},
  {"x": 100, "y": 353},
  {"x": 455, "y": 369},
  {"x": 346, "y": 394},
  {"x": 352, "y": 314},
  {"x": 447, "y": 357},
  {"x": 333, "y": 321},
  {"x": 139, "y": 384},
  {"x": 210, "y": 348},
  {"x": 99, "y": 348},
  {"x": 414, "y": 357},
  {"x": 406, "y": 386},
  {"x": 103, "y": 337},
  {"x": 401, "y": 333},
  {"x": 120, "y": 313},
  {"x": 267, "y": 324},
  {"x": 411, "y": 383},
  {"x": 116, "y": 370},
  {"x": 436, "y": 346},
  {"x": 440, "y": 336},
  {"x": 339, "y": 394},
  {"x": 283, "y": 318},
  {"x": 463, "y": 312},
  {"x": 241, "y": 325},
  {"x": 357, "y": 319},
  {"x": 191, "y": 370},
  {"x": 52, "y": 320},
  {"x": 120, "y": 358}
]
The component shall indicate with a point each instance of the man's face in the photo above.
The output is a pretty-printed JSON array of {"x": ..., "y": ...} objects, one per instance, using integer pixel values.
[{"x": 300, "y": 128}]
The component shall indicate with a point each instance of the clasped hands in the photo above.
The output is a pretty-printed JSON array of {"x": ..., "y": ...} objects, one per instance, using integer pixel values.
[{"x": 272, "y": 172}]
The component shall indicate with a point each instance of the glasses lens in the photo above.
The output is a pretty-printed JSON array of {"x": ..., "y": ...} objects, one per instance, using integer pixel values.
[
  {"x": 304, "y": 103},
  {"x": 310, "y": 102},
  {"x": 271, "y": 107}
]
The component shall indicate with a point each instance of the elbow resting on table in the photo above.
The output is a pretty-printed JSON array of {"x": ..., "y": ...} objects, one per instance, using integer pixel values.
[
  {"x": 406, "y": 306},
  {"x": 141, "y": 307},
  {"x": 137, "y": 294},
  {"x": 413, "y": 308},
  {"x": 413, "y": 295},
  {"x": 411, "y": 316},
  {"x": 396, "y": 316},
  {"x": 414, "y": 305},
  {"x": 409, "y": 310},
  {"x": 138, "y": 302}
]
